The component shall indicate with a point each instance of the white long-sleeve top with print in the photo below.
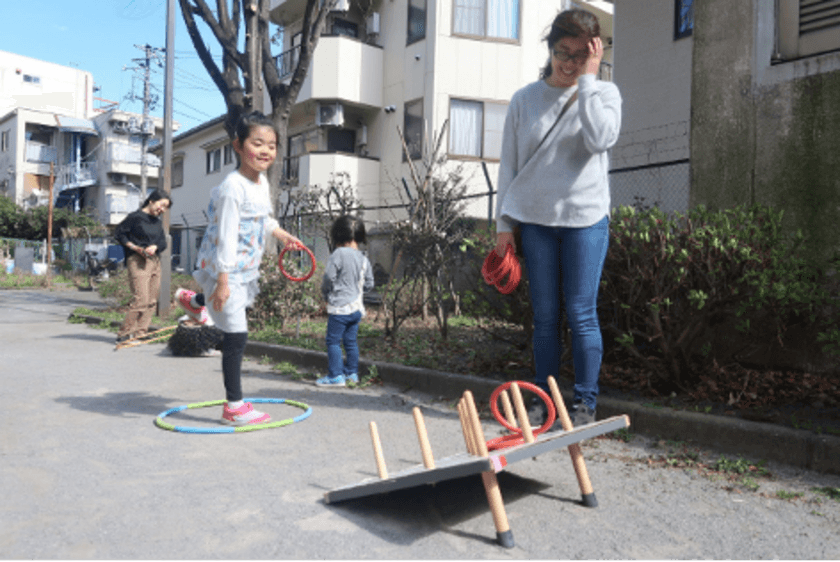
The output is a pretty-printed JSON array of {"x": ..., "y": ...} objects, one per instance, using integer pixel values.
[
  {"x": 240, "y": 221},
  {"x": 565, "y": 181}
]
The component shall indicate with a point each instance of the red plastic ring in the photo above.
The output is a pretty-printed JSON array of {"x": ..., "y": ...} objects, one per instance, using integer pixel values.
[
  {"x": 495, "y": 269},
  {"x": 517, "y": 438},
  {"x": 285, "y": 273}
]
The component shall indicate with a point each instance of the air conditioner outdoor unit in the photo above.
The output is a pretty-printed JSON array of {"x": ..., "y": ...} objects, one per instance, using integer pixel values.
[
  {"x": 149, "y": 127},
  {"x": 329, "y": 114},
  {"x": 133, "y": 126},
  {"x": 119, "y": 178},
  {"x": 373, "y": 23},
  {"x": 342, "y": 6}
]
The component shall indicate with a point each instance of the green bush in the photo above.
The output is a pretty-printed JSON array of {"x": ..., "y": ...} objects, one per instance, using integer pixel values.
[
  {"x": 281, "y": 299},
  {"x": 671, "y": 280},
  {"x": 32, "y": 224}
]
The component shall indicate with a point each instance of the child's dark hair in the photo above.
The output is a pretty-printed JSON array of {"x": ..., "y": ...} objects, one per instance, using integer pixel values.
[
  {"x": 252, "y": 119},
  {"x": 346, "y": 229},
  {"x": 570, "y": 23},
  {"x": 155, "y": 196}
]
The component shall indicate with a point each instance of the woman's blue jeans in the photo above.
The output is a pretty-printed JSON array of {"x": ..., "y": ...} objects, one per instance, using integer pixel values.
[
  {"x": 575, "y": 257},
  {"x": 343, "y": 329}
]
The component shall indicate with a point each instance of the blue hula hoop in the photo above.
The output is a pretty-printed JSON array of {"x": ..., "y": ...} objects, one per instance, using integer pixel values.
[{"x": 238, "y": 429}]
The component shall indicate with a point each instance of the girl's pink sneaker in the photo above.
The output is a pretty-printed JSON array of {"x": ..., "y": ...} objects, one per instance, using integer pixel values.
[{"x": 244, "y": 415}]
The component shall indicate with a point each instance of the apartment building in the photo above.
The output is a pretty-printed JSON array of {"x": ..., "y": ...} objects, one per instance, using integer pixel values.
[
  {"x": 49, "y": 127},
  {"x": 413, "y": 65},
  {"x": 380, "y": 66}
]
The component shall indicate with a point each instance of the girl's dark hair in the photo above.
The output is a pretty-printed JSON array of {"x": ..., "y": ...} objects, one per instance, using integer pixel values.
[
  {"x": 346, "y": 229},
  {"x": 252, "y": 119},
  {"x": 155, "y": 196},
  {"x": 570, "y": 23}
]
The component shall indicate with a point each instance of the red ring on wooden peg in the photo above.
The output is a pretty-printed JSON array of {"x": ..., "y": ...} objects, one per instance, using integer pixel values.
[{"x": 517, "y": 438}]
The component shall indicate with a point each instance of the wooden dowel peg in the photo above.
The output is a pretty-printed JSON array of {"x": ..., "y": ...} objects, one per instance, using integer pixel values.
[
  {"x": 377, "y": 452},
  {"x": 587, "y": 493},
  {"x": 521, "y": 413},
  {"x": 507, "y": 408},
  {"x": 423, "y": 437},
  {"x": 504, "y": 536},
  {"x": 465, "y": 427},
  {"x": 559, "y": 405}
]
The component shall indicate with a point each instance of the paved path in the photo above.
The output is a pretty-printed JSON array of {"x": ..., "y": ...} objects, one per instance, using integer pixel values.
[{"x": 86, "y": 474}]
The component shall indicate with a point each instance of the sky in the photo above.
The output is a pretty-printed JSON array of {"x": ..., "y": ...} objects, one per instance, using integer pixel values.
[{"x": 99, "y": 36}]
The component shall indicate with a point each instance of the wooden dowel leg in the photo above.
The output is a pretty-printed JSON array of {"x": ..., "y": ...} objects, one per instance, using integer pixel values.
[
  {"x": 423, "y": 437},
  {"x": 465, "y": 427},
  {"x": 587, "y": 493},
  {"x": 507, "y": 408},
  {"x": 522, "y": 413},
  {"x": 504, "y": 536},
  {"x": 377, "y": 452},
  {"x": 147, "y": 338}
]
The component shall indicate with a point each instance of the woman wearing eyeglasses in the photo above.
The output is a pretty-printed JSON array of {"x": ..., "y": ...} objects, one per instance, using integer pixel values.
[{"x": 554, "y": 186}]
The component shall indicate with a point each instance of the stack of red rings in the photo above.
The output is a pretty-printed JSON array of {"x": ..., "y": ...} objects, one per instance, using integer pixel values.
[{"x": 496, "y": 269}]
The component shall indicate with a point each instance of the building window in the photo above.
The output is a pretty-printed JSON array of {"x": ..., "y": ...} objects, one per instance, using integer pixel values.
[
  {"x": 413, "y": 127},
  {"x": 4, "y": 141},
  {"x": 214, "y": 160},
  {"x": 344, "y": 27},
  {"x": 475, "y": 128},
  {"x": 177, "y": 173},
  {"x": 416, "y": 21},
  {"x": 683, "y": 18},
  {"x": 807, "y": 27},
  {"x": 228, "y": 154},
  {"x": 31, "y": 79},
  {"x": 486, "y": 18}
]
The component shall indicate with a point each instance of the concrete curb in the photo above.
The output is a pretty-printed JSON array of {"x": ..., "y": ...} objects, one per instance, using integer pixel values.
[
  {"x": 754, "y": 440},
  {"x": 757, "y": 441}
]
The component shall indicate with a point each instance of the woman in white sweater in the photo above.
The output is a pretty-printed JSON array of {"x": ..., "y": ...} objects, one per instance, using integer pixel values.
[{"x": 554, "y": 185}]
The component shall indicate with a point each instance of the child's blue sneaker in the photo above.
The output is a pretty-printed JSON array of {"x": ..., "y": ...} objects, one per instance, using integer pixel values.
[
  {"x": 331, "y": 381},
  {"x": 354, "y": 378}
]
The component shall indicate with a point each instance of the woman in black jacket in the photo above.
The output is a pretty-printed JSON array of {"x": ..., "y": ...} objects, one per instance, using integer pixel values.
[{"x": 143, "y": 239}]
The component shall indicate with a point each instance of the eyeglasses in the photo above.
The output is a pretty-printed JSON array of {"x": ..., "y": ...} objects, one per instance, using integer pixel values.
[{"x": 566, "y": 56}]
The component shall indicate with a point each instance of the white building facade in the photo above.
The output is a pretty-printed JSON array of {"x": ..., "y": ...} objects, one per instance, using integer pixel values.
[
  {"x": 413, "y": 65},
  {"x": 50, "y": 128}
]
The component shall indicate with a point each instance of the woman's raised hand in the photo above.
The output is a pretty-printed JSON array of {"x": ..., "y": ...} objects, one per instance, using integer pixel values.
[{"x": 596, "y": 53}]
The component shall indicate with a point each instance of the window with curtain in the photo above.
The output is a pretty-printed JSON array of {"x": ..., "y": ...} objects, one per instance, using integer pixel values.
[
  {"x": 214, "y": 160},
  {"x": 177, "y": 173},
  {"x": 416, "y": 21},
  {"x": 486, "y": 18},
  {"x": 475, "y": 128},
  {"x": 413, "y": 129}
]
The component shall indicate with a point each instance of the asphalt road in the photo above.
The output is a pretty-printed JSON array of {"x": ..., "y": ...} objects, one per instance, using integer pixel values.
[{"x": 85, "y": 473}]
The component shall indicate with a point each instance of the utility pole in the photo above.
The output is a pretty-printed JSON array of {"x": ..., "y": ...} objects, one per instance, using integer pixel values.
[
  {"x": 147, "y": 127},
  {"x": 166, "y": 179}
]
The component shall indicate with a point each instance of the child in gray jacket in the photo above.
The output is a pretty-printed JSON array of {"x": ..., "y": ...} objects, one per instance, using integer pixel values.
[{"x": 348, "y": 274}]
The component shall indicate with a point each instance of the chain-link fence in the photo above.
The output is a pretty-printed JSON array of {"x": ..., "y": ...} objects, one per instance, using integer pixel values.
[{"x": 665, "y": 185}]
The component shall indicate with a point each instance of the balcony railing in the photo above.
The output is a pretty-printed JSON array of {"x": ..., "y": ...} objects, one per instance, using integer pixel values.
[
  {"x": 73, "y": 175},
  {"x": 291, "y": 170},
  {"x": 129, "y": 154},
  {"x": 37, "y": 152},
  {"x": 287, "y": 61}
]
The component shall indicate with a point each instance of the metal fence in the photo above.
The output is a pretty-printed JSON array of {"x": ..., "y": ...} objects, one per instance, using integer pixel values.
[{"x": 665, "y": 185}]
